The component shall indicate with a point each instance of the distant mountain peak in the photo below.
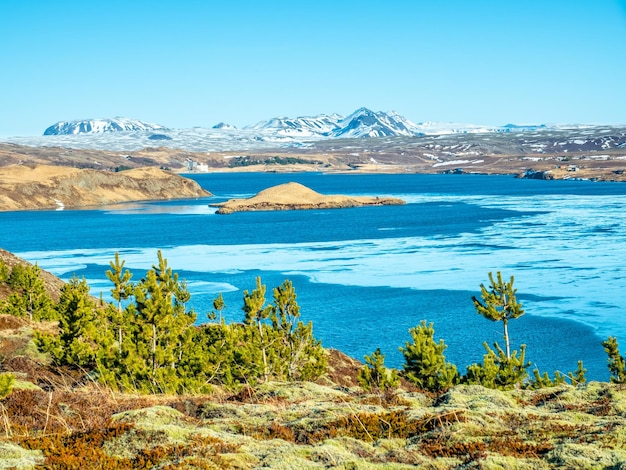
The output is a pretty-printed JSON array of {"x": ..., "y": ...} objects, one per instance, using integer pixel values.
[
  {"x": 99, "y": 126},
  {"x": 367, "y": 123},
  {"x": 223, "y": 125},
  {"x": 363, "y": 122}
]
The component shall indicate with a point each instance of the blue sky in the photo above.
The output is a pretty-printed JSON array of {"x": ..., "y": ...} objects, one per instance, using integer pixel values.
[{"x": 194, "y": 63}]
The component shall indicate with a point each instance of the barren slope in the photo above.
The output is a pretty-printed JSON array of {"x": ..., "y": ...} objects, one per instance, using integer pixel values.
[{"x": 44, "y": 187}]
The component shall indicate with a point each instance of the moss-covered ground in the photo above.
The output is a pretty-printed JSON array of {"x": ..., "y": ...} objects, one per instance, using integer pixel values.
[{"x": 308, "y": 425}]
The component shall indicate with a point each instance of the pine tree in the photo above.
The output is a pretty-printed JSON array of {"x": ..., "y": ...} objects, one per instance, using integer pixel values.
[
  {"x": 543, "y": 380},
  {"x": 81, "y": 334},
  {"x": 425, "y": 364},
  {"x": 375, "y": 375},
  {"x": 578, "y": 377},
  {"x": 617, "y": 363},
  {"x": 499, "y": 304},
  {"x": 497, "y": 370},
  {"x": 162, "y": 319},
  {"x": 300, "y": 354},
  {"x": 7, "y": 380},
  {"x": 29, "y": 297},
  {"x": 218, "y": 307},
  {"x": 255, "y": 312},
  {"x": 4, "y": 272},
  {"x": 121, "y": 291}
]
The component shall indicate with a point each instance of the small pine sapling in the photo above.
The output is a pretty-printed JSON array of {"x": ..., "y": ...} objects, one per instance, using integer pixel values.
[
  {"x": 425, "y": 363},
  {"x": 578, "y": 377},
  {"x": 544, "y": 380},
  {"x": 499, "y": 304},
  {"x": 374, "y": 374},
  {"x": 218, "y": 307},
  {"x": 6, "y": 384},
  {"x": 617, "y": 363},
  {"x": 497, "y": 371}
]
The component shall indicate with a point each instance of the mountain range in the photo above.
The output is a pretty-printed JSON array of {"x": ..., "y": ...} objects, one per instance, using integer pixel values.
[
  {"x": 366, "y": 130},
  {"x": 361, "y": 123}
]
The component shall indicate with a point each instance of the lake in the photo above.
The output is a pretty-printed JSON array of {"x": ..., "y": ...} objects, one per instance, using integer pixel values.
[{"x": 364, "y": 276}]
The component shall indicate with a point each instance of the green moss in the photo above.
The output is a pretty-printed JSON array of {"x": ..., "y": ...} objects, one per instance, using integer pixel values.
[
  {"x": 498, "y": 462},
  {"x": 415, "y": 399},
  {"x": 475, "y": 397},
  {"x": 304, "y": 425},
  {"x": 13, "y": 456},
  {"x": 590, "y": 392},
  {"x": 25, "y": 385},
  {"x": 294, "y": 392},
  {"x": 279, "y": 454},
  {"x": 238, "y": 461},
  {"x": 153, "y": 426},
  {"x": 331, "y": 454},
  {"x": 614, "y": 435},
  {"x": 586, "y": 456},
  {"x": 131, "y": 443},
  {"x": 618, "y": 399},
  {"x": 154, "y": 416}
]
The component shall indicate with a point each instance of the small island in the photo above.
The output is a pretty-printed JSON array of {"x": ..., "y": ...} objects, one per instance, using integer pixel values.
[{"x": 295, "y": 196}]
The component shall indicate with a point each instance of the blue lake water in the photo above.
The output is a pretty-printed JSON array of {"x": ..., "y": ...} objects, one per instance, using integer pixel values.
[{"x": 364, "y": 276}]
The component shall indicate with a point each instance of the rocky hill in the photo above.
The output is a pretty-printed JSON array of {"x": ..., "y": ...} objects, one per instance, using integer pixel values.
[{"x": 47, "y": 187}]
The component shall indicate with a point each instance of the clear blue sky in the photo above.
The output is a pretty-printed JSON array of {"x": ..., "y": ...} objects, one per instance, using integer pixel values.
[{"x": 191, "y": 63}]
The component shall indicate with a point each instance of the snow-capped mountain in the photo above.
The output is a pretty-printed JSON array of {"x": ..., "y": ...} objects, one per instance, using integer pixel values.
[
  {"x": 223, "y": 125},
  {"x": 99, "y": 126},
  {"x": 361, "y": 123},
  {"x": 322, "y": 125},
  {"x": 366, "y": 123}
]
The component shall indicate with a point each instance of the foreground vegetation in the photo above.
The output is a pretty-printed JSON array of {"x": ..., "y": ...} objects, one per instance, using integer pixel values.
[
  {"x": 146, "y": 340},
  {"x": 134, "y": 383}
]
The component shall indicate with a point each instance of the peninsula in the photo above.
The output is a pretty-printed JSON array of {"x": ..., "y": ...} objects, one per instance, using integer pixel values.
[
  {"x": 26, "y": 187},
  {"x": 295, "y": 196}
]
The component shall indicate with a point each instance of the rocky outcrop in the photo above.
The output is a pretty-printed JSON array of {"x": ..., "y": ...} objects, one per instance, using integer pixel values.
[
  {"x": 45, "y": 187},
  {"x": 537, "y": 175},
  {"x": 294, "y": 196}
]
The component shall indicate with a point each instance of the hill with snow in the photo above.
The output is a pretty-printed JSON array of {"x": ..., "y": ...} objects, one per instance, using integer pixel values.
[{"x": 99, "y": 126}]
